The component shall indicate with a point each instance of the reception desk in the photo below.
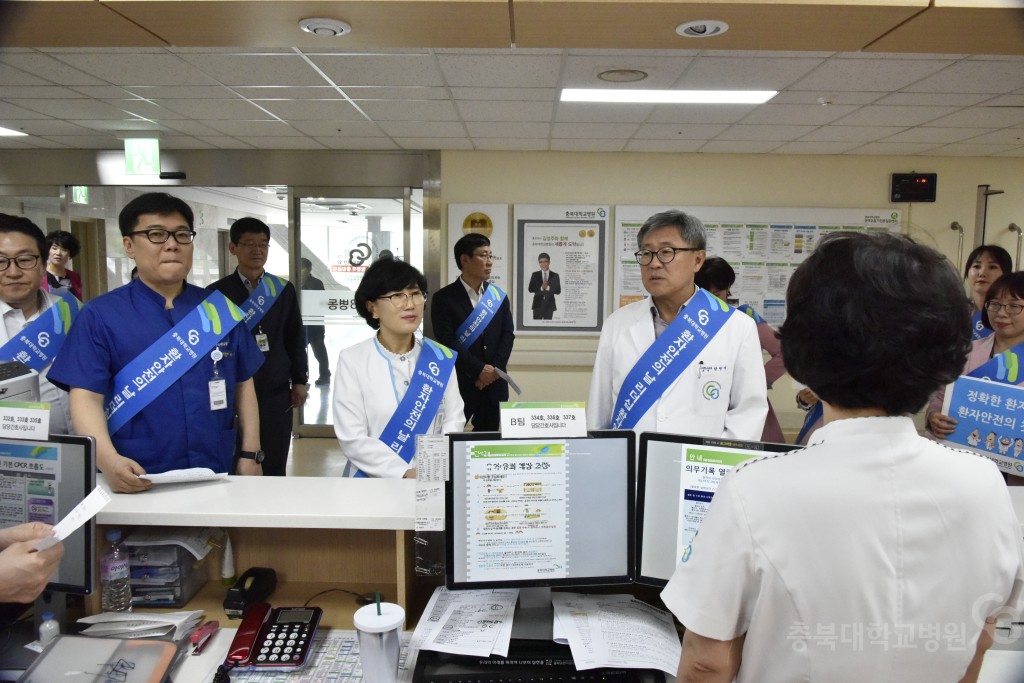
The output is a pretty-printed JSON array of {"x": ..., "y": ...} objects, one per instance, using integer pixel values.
[{"x": 317, "y": 533}]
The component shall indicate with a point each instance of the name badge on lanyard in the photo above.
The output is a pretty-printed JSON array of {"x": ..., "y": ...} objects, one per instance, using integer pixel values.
[
  {"x": 263, "y": 342},
  {"x": 218, "y": 386}
]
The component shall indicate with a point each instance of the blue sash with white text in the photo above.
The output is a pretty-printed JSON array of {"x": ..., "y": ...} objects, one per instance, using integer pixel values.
[
  {"x": 978, "y": 329},
  {"x": 418, "y": 408},
  {"x": 670, "y": 354},
  {"x": 39, "y": 343},
  {"x": 473, "y": 326},
  {"x": 1005, "y": 368},
  {"x": 816, "y": 412},
  {"x": 262, "y": 299},
  {"x": 749, "y": 310},
  {"x": 150, "y": 373}
]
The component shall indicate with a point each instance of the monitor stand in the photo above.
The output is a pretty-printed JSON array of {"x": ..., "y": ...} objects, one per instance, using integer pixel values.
[{"x": 534, "y": 615}]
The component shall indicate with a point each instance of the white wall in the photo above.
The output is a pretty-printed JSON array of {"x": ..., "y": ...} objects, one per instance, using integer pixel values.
[{"x": 722, "y": 180}]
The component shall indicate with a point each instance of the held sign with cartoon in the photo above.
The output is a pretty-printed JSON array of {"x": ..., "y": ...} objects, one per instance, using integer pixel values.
[{"x": 990, "y": 420}]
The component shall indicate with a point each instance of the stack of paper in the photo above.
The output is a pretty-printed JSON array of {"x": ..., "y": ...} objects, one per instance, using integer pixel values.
[
  {"x": 475, "y": 623},
  {"x": 176, "y": 625}
]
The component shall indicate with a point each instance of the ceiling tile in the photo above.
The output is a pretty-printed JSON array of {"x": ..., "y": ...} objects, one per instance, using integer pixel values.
[
  {"x": 513, "y": 144},
  {"x": 260, "y": 69},
  {"x": 802, "y": 147},
  {"x": 937, "y": 135},
  {"x": 932, "y": 99},
  {"x": 224, "y": 142},
  {"x": 283, "y": 92},
  {"x": 44, "y": 127},
  {"x": 1006, "y": 101},
  {"x": 357, "y": 143},
  {"x": 312, "y": 110},
  {"x": 665, "y": 146},
  {"x": 284, "y": 142},
  {"x": 10, "y": 111},
  {"x": 878, "y": 115},
  {"x": 506, "y": 94},
  {"x": 992, "y": 117},
  {"x": 411, "y": 110},
  {"x": 113, "y": 125},
  {"x": 215, "y": 109},
  {"x": 184, "y": 142},
  {"x": 877, "y": 75},
  {"x": 975, "y": 77},
  {"x": 505, "y": 111},
  {"x": 74, "y": 109},
  {"x": 520, "y": 130},
  {"x": 512, "y": 69},
  {"x": 1007, "y": 136},
  {"x": 434, "y": 143},
  {"x": 598, "y": 131},
  {"x": 574, "y": 145},
  {"x": 344, "y": 129},
  {"x": 422, "y": 129},
  {"x": 21, "y": 143},
  {"x": 699, "y": 113},
  {"x": 1015, "y": 152},
  {"x": 757, "y": 73},
  {"x": 663, "y": 72},
  {"x": 186, "y": 127},
  {"x": 851, "y": 133},
  {"x": 967, "y": 150},
  {"x": 832, "y": 96},
  {"x": 180, "y": 92},
  {"x": 780, "y": 133},
  {"x": 403, "y": 92},
  {"x": 46, "y": 67},
  {"x": 102, "y": 92},
  {"x": 141, "y": 69},
  {"x": 893, "y": 148},
  {"x": 11, "y": 77},
  {"x": 807, "y": 114},
  {"x": 87, "y": 141},
  {"x": 31, "y": 92},
  {"x": 253, "y": 129},
  {"x": 685, "y": 131},
  {"x": 739, "y": 147},
  {"x": 377, "y": 69},
  {"x": 586, "y": 112}
]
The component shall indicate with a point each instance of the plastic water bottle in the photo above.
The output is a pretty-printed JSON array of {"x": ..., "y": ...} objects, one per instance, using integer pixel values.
[
  {"x": 116, "y": 592},
  {"x": 48, "y": 629}
]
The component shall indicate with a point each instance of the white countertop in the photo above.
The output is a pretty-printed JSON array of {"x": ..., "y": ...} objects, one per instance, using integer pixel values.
[{"x": 281, "y": 502}]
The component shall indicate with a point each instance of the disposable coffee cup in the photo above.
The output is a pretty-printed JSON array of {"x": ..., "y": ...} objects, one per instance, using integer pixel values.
[{"x": 379, "y": 641}]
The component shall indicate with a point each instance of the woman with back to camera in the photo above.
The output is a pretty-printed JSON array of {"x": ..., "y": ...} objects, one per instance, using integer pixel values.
[
  {"x": 718, "y": 277},
  {"x": 985, "y": 265},
  {"x": 63, "y": 246},
  {"x": 393, "y": 386},
  {"x": 835, "y": 563}
]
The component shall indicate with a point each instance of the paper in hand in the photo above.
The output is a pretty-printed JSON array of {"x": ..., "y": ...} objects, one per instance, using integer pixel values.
[{"x": 83, "y": 512}]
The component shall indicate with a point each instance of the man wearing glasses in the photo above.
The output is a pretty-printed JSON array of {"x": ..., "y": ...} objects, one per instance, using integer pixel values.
[
  {"x": 680, "y": 361},
  {"x": 473, "y": 317},
  {"x": 272, "y": 315},
  {"x": 158, "y": 369}
]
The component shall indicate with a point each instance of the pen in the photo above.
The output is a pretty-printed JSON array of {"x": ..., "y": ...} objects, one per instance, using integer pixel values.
[{"x": 200, "y": 638}]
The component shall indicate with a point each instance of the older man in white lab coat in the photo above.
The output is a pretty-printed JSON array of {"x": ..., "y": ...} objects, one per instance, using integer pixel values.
[{"x": 680, "y": 361}]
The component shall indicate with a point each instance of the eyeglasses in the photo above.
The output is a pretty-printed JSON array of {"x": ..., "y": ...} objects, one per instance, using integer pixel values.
[
  {"x": 1011, "y": 309},
  {"x": 253, "y": 246},
  {"x": 159, "y": 235},
  {"x": 24, "y": 262},
  {"x": 489, "y": 258},
  {"x": 402, "y": 299},
  {"x": 665, "y": 254}
]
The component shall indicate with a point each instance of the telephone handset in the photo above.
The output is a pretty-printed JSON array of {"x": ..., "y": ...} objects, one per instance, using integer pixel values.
[{"x": 274, "y": 639}]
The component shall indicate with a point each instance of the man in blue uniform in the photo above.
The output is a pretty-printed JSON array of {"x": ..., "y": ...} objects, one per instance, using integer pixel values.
[
  {"x": 281, "y": 382},
  {"x": 156, "y": 371}
]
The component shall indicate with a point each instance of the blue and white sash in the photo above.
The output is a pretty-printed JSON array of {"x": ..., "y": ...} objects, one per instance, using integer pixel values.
[
  {"x": 978, "y": 329},
  {"x": 816, "y": 412},
  {"x": 487, "y": 308},
  {"x": 262, "y": 299},
  {"x": 150, "y": 373},
  {"x": 39, "y": 343},
  {"x": 749, "y": 310},
  {"x": 1006, "y": 367},
  {"x": 418, "y": 408},
  {"x": 670, "y": 354}
]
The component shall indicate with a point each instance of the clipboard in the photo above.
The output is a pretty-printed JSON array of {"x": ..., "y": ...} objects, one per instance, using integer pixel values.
[{"x": 81, "y": 659}]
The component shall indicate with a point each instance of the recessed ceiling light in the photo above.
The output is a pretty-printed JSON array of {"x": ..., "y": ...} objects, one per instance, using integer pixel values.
[
  {"x": 622, "y": 75},
  {"x": 7, "y": 132},
  {"x": 668, "y": 96},
  {"x": 702, "y": 28},
  {"x": 327, "y": 28}
]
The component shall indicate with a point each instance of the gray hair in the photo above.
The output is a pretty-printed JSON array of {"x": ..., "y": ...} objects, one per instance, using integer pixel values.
[{"x": 690, "y": 228}]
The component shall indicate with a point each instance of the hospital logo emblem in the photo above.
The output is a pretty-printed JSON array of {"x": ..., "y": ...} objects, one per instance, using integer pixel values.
[
  {"x": 686, "y": 553},
  {"x": 712, "y": 390}
]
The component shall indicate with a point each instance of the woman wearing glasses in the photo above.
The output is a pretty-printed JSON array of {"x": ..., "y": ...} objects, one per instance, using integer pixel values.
[
  {"x": 1003, "y": 314},
  {"x": 393, "y": 386}
]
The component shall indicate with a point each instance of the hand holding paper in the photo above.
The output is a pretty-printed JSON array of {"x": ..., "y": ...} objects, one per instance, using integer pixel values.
[{"x": 83, "y": 512}]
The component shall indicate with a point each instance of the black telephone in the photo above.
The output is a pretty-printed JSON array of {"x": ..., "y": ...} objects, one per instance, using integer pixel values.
[{"x": 274, "y": 639}]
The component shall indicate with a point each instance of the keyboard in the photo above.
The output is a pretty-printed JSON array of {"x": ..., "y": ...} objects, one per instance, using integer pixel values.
[{"x": 528, "y": 661}]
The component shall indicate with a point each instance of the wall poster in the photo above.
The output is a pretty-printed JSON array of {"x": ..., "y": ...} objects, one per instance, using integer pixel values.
[
  {"x": 560, "y": 269},
  {"x": 491, "y": 221}
]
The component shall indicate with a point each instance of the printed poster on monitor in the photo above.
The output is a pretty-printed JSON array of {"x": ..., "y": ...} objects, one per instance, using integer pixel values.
[{"x": 989, "y": 420}]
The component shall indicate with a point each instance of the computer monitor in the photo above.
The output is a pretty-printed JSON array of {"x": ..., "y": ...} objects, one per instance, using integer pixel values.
[
  {"x": 43, "y": 481},
  {"x": 540, "y": 512},
  {"x": 677, "y": 477}
]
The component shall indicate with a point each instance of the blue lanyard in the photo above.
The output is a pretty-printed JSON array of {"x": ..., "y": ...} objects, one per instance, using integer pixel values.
[{"x": 486, "y": 310}]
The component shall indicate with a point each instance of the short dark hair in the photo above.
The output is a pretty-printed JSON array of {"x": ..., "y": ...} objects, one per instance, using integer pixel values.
[
  {"x": 543, "y": 255},
  {"x": 690, "y": 228},
  {"x": 1009, "y": 283},
  {"x": 875, "y": 321},
  {"x": 385, "y": 275},
  {"x": 246, "y": 225},
  {"x": 715, "y": 273},
  {"x": 995, "y": 252},
  {"x": 306, "y": 263},
  {"x": 160, "y": 203},
  {"x": 64, "y": 240},
  {"x": 468, "y": 244},
  {"x": 23, "y": 225}
]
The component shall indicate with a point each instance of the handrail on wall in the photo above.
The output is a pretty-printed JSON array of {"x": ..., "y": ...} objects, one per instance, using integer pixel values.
[
  {"x": 1016, "y": 228},
  {"x": 959, "y": 247}
]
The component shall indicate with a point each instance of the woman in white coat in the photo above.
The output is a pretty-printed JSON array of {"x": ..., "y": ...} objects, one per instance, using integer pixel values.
[{"x": 373, "y": 422}]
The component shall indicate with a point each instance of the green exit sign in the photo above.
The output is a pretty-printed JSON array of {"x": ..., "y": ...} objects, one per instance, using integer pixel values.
[
  {"x": 79, "y": 194},
  {"x": 142, "y": 156}
]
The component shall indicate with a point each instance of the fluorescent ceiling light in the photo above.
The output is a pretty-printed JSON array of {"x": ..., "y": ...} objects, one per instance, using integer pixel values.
[
  {"x": 668, "y": 96},
  {"x": 7, "y": 132}
]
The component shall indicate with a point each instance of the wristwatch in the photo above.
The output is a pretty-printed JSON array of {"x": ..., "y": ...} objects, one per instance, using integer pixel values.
[{"x": 258, "y": 456}]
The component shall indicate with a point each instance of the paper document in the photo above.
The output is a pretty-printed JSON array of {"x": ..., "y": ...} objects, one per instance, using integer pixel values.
[
  {"x": 477, "y": 622},
  {"x": 83, "y": 512},
  {"x": 511, "y": 382},
  {"x": 617, "y": 631},
  {"x": 133, "y": 624},
  {"x": 197, "y": 540},
  {"x": 178, "y": 476}
]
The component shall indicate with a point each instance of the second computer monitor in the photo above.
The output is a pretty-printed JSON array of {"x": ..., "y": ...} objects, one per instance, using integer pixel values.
[
  {"x": 540, "y": 512},
  {"x": 677, "y": 478}
]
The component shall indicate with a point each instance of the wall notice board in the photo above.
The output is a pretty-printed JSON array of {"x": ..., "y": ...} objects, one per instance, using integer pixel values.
[{"x": 763, "y": 245}]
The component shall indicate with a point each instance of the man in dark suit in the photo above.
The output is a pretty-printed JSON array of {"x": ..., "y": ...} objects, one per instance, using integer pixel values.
[
  {"x": 544, "y": 285},
  {"x": 281, "y": 381},
  {"x": 315, "y": 333},
  {"x": 476, "y": 367}
]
